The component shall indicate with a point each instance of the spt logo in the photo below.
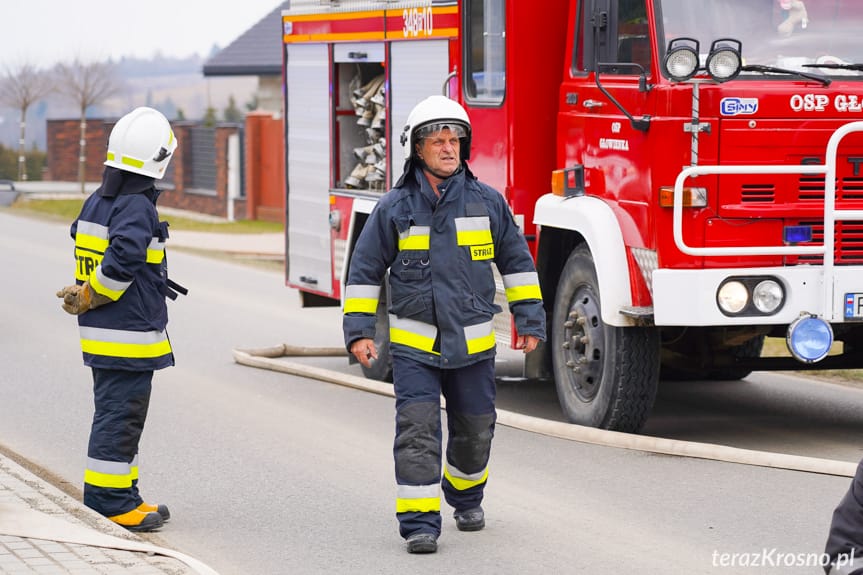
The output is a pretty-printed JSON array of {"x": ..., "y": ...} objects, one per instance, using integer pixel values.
[{"x": 738, "y": 106}]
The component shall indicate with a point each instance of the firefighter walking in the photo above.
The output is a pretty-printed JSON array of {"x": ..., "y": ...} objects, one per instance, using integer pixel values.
[
  {"x": 437, "y": 232},
  {"x": 119, "y": 297}
]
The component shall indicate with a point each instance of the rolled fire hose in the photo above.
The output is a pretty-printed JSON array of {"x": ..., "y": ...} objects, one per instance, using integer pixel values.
[{"x": 268, "y": 358}]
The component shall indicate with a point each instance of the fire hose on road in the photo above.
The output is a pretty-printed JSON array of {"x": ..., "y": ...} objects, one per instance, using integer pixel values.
[{"x": 269, "y": 358}]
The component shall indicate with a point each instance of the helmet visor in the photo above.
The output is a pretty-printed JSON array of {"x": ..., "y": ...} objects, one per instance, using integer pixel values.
[{"x": 431, "y": 130}]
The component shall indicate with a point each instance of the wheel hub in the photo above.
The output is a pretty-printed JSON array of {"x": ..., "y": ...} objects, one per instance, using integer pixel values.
[{"x": 583, "y": 345}]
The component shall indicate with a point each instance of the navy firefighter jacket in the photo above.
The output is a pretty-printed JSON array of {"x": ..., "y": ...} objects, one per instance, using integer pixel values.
[
  {"x": 439, "y": 252},
  {"x": 120, "y": 249}
]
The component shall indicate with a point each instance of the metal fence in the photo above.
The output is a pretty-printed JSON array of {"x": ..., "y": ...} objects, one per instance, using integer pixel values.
[{"x": 202, "y": 175}]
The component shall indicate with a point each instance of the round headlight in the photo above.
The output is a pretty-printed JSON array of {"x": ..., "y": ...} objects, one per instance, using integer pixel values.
[
  {"x": 681, "y": 63},
  {"x": 732, "y": 297},
  {"x": 768, "y": 296},
  {"x": 724, "y": 61},
  {"x": 723, "y": 64},
  {"x": 809, "y": 338}
]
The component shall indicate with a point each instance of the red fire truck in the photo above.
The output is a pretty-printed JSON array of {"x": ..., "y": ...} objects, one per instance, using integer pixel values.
[{"x": 679, "y": 169}]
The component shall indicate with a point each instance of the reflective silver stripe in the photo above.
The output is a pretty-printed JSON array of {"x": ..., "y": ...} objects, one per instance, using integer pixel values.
[
  {"x": 455, "y": 472},
  {"x": 522, "y": 279},
  {"x": 415, "y": 231},
  {"x": 473, "y": 231},
  {"x": 415, "y": 238},
  {"x": 413, "y": 333},
  {"x": 361, "y": 299},
  {"x": 418, "y": 491},
  {"x": 479, "y": 337},
  {"x": 413, "y": 326},
  {"x": 362, "y": 292},
  {"x": 92, "y": 229},
  {"x": 472, "y": 224},
  {"x": 108, "y": 467},
  {"x": 479, "y": 330},
  {"x": 122, "y": 336},
  {"x": 156, "y": 244},
  {"x": 523, "y": 286},
  {"x": 113, "y": 285},
  {"x": 134, "y": 461}
]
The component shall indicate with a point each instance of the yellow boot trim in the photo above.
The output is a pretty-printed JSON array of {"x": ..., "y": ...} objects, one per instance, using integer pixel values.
[{"x": 131, "y": 518}]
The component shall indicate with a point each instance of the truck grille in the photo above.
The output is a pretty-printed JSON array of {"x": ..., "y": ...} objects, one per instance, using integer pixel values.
[
  {"x": 750, "y": 193},
  {"x": 812, "y": 188},
  {"x": 849, "y": 195},
  {"x": 848, "y": 249}
]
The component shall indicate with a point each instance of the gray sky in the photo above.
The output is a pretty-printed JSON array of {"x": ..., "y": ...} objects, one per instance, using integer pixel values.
[{"x": 44, "y": 32}]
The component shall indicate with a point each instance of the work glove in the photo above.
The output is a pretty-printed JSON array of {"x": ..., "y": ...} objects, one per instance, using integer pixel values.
[{"x": 79, "y": 298}]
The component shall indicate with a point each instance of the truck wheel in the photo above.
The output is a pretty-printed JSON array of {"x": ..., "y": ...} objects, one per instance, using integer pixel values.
[
  {"x": 749, "y": 350},
  {"x": 606, "y": 376},
  {"x": 382, "y": 368}
]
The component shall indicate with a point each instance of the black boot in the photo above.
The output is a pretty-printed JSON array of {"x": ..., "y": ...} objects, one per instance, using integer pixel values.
[
  {"x": 422, "y": 543},
  {"x": 470, "y": 519}
]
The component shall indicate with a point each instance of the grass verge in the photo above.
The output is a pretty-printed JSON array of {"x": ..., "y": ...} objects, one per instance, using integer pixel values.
[{"x": 68, "y": 209}]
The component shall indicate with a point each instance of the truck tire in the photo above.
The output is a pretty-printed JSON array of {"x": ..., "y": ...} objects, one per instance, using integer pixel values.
[
  {"x": 382, "y": 368},
  {"x": 606, "y": 376}
]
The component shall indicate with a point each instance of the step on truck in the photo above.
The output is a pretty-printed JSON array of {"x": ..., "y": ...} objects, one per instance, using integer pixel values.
[{"x": 687, "y": 173}]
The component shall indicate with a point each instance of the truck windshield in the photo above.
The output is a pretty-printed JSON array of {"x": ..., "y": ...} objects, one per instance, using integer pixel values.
[{"x": 790, "y": 34}]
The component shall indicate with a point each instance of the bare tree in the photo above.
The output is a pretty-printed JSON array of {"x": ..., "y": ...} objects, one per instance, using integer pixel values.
[
  {"x": 88, "y": 85},
  {"x": 21, "y": 87}
]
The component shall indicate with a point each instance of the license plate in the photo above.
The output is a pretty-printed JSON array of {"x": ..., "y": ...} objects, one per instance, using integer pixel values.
[{"x": 854, "y": 306}]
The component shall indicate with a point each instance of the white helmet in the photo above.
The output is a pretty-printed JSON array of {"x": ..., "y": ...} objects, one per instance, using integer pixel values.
[
  {"x": 142, "y": 142},
  {"x": 432, "y": 115}
]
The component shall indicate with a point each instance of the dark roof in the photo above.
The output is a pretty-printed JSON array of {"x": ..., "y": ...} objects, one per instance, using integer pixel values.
[{"x": 257, "y": 52}]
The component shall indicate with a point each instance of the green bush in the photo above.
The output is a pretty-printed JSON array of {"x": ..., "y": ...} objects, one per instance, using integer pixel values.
[{"x": 34, "y": 161}]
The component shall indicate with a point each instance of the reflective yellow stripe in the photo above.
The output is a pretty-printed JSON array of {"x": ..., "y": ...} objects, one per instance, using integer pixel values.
[
  {"x": 480, "y": 344},
  {"x": 415, "y": 238},
  {"x": 361, "y": 298},
  {"x": 473, "y": 230},
  {"x": 414, "y": 243},
  {"x": 518, "y": 293},
  {"x": 102, "y": 289},
  {"x": 135, "y": 350},
  {"x": 423, "y": 505},
  {"x": 132, "y": 162},
  {"x": 413, "y": 340},
  {"x": 361, "y": 305},
  {"x": 92, "y": 243},
  {"x": 462, "y": 483},
  {"x": 98, "y": 479},
  {"x": 155, "y": 256},
  {"x": 474, "y": 237},
  {"x": 479, "y": 337}
]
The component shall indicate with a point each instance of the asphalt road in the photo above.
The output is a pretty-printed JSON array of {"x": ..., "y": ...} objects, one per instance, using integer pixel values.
[{"x": 272, "y": 474}]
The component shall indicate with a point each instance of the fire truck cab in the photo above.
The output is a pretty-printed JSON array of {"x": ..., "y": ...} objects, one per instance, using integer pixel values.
[{"x": 686, "y": 172}]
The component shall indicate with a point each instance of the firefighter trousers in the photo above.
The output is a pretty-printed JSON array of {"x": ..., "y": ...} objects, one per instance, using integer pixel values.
[
  {"x": 121, "y": 401},
  {"x": 470, "y": 394}
]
